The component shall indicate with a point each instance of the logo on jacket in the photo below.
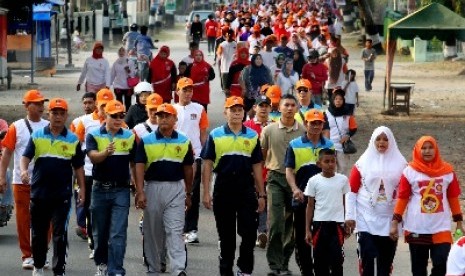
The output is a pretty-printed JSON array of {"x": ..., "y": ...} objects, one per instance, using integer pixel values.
[{"x": 178, "y": 150}]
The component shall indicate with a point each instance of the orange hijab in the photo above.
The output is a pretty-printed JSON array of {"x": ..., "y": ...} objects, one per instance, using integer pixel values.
[{"x": 436, "y": 167}]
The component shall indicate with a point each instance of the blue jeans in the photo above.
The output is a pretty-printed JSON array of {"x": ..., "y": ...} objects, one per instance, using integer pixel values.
[
  {"x": 369, "y": 76},
  {"x": 109, "y": 212}
]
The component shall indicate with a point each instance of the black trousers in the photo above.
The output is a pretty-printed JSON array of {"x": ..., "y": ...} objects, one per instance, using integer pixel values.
[
  {"x": 234, "y": 198},
  {"x": 381, "y": 248},
  {"x": 124, "y": 96},
  {"x": 328, "y": 254},
  {"x": 303, "y": 251},
  {"x": 211, "y": 44},
  {"x": 192, "y": 215},
  {"x": 44, "y": 212},
  {"x": 419, "y": 254},
  {"x": 88, "y": 181}
]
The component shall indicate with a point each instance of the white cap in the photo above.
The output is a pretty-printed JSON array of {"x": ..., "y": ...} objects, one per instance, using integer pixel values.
[{"x": 143, "y": 86}]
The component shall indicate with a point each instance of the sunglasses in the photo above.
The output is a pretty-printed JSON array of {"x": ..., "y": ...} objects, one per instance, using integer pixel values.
[{"x": 118, "y": 116}]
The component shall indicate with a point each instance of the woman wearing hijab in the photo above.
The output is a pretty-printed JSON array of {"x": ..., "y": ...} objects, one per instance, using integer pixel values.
[
  {"x": 201, "y": 74},
  {"x": 120, "y": 71},
  {"x": 163, "y": 74},
  {"x": 252, "y": 78},
  {"x": 430, "y": 191},
  {"x": 96, "y": 71},
  {"x": 342, "y": 127},
  {"x": 374, "y": 182},
  {"x": 276, "y": 68},
  {"x": 287, "y": 77},
  {"x": 233, "y": 87}
]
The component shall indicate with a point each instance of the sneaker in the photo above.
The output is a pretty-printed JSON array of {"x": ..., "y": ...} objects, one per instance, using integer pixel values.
[
  {"x": 81, "y": 232},
  {"x": 28, "y": 263},
  {"x": 239, "y": 273},
  {"x": 191, "y": 237},
  {"x": 262, "y": 240},
  {"x": 47, "y": 264},
  {"x": 38, "y": 272},
  {"x": 101, "y": 270},
  {"x": 286, "y": 272},
  {"x": 91, "y": 255}
]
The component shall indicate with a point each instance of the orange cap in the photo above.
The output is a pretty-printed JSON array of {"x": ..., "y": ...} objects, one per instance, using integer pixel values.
[
  {"x": 184, "y": 82},
  {"x": 274, "y": 93},
  {"x": 167, "y": 108},
  {"x": 104, "y": 95},
  {"x": 114, "y": 107},
  {"x": 153, "y": 101},
  {"x": 58, "y": 103},
  {"x": 314, "y": 115},
  {"x": 303, "y": 83},
  {"x": 232, "y": 101},
  {"x": 33, "y": 96}
]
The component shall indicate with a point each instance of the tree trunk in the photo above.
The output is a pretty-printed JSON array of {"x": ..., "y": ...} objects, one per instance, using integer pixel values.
[{"x": 371, "y": 31}]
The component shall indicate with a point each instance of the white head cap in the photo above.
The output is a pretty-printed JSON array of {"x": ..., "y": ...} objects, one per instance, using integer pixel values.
[{"x": 143, "y": 86}]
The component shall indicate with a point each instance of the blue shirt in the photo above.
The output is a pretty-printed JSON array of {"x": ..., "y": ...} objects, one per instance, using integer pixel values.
[
  {"x": 116, "y": 166},
  {"x": 302, "y": 155},
  {"x": 288, "y": 52},
  {"x": 144, "y": 45},
  {"x": 232, "y": 154},
  {"x": 165, "y": 158},
  {"x": 54, "y": 158}
]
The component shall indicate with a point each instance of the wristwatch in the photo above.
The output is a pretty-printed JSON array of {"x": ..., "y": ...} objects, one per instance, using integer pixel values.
[{"x": 262, "y": 196}]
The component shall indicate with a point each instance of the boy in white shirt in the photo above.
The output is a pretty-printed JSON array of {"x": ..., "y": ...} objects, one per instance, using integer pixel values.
[
  {"x": 325, "y": 215},
  {"x": 351, "y": 89}
]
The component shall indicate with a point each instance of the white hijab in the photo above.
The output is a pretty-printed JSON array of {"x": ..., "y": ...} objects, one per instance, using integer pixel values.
[{"x": 376, "y": 167}]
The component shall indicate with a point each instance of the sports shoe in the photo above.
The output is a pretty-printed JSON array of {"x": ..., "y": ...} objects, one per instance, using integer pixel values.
[
  {"x": 239, "y": 273},
  {"x": 38, "y": 272},
  {"x": 47, "y": 264},
  {"x": 286, "y": 272},
  {"x": 81, "y": 232},
  {"x": 28, "y": 263},
  {"x": 91, "y": 255},
  {"x": 262, "y": 240},
  {"x": 101, "y": 270},
  {"x": 191, "y": 237}
]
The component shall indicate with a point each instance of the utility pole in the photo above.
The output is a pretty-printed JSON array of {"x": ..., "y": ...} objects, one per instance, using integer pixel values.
[
  {"x": 106, "y": 24},
  {"x": 68, "y": 36}
]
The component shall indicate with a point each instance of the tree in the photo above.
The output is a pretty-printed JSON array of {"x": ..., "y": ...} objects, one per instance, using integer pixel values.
[{"x": 371, "y": 30}]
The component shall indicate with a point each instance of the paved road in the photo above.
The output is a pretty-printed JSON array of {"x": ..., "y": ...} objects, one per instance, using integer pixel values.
[{"x": 202, "y": 258}]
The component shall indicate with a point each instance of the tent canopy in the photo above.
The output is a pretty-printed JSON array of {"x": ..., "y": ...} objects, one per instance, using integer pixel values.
[{"x": 434, "y": 20}]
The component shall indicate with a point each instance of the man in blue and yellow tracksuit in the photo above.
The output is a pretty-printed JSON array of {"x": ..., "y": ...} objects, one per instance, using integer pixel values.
[
  {"x": 233, "y": 152},
  {"x": 166, "y": 157},
  {"x": 300, "y": 162},
  {"x": 55, "y": 151},
  {"x": 111, "y": 149}
]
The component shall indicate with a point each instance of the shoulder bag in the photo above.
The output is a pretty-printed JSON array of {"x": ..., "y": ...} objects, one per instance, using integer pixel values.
[{"x": 348, "y": 147}]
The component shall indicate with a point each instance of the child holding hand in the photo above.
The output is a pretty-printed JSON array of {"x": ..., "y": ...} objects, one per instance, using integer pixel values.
[{"x": 325, "y": 215}]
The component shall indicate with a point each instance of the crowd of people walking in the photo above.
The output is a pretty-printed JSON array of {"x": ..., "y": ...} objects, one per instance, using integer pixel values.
[{"x": 277, "y": 173}]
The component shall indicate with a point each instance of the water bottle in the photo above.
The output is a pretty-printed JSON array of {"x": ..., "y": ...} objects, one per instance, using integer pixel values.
[{"x": 458, "y": 234}]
